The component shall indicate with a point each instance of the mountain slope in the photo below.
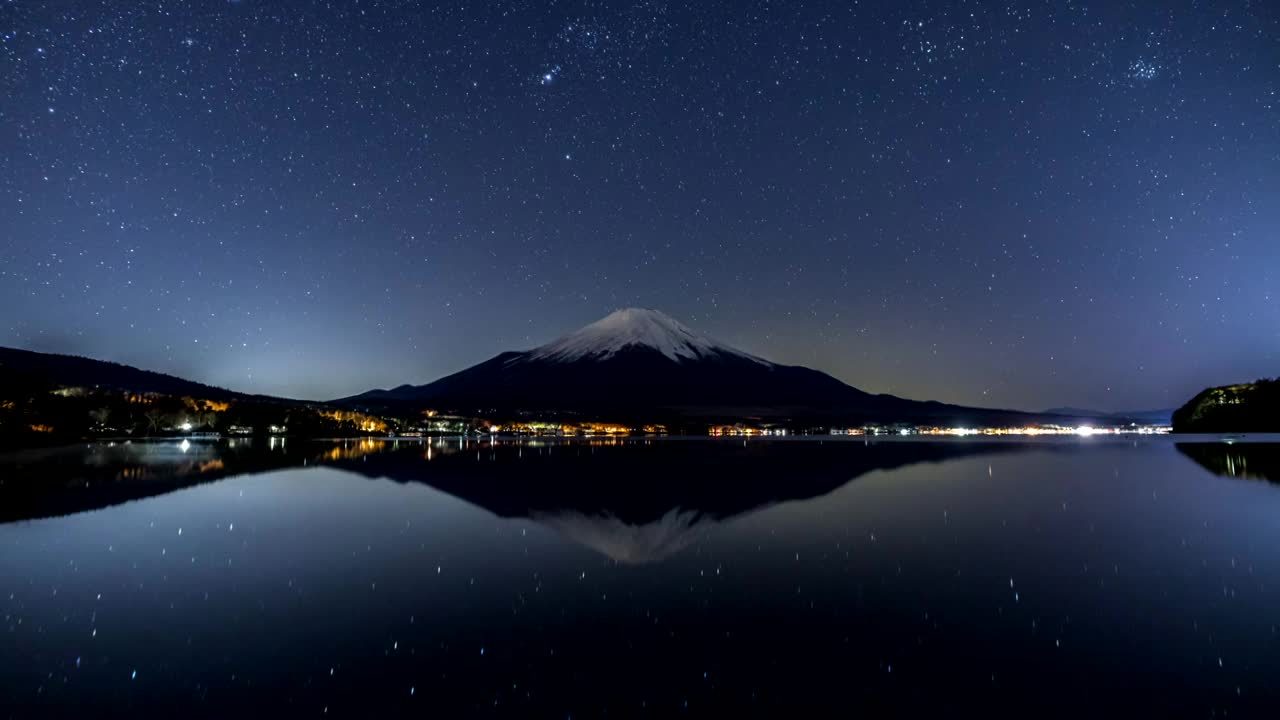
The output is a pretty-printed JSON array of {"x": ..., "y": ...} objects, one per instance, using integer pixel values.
[
  {"x": 1148, "y": 417},
  {"x": 639, "y": 363},
  {"x": 1248, "y": 407},
  {"x": 24, "y": 366}
]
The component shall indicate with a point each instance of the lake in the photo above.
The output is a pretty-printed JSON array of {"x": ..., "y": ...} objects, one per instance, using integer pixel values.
[{"x": 643, "y": 577}]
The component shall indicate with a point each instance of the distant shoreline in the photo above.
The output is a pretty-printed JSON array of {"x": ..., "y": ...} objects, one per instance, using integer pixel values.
[{"x": 38, "y": 452}]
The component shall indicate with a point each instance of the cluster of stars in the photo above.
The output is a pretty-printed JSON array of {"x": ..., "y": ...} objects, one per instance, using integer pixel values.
[{"x": 1143, "y": 70}]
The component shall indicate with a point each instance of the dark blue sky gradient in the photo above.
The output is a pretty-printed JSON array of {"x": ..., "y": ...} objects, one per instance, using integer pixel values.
[{"x": 1024, "y": 205}]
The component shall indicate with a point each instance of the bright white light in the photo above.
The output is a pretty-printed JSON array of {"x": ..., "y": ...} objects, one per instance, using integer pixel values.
[
  {"x": 186, "y": 426},
  {"x": 1085, "y": 430},
  {"x": 185, "y": 446}
]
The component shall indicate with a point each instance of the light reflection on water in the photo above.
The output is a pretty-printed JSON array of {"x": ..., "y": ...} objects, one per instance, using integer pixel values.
[{"x": 559, "y": 578}]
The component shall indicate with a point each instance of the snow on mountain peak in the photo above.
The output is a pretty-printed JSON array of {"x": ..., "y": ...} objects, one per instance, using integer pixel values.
[
  {"x": 634, "y": 327},
  {"x": 630, "y": 544}
]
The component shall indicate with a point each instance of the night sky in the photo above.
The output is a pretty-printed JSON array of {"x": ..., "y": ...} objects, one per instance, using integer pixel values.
[{"x": 1024, "y": 205}]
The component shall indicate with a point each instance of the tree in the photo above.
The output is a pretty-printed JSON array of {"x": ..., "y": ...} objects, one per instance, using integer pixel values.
[{"x": 154, "y": 415}]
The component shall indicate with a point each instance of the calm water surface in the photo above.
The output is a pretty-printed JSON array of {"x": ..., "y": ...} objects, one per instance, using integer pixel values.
[{"x": 658, "y": 578}]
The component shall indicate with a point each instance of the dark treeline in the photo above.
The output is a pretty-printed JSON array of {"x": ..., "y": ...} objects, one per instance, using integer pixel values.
[{"x": 1249, "y": 407}]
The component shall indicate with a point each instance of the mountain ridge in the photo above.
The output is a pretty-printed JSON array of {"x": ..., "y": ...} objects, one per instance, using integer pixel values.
[
  {"x": 1242, "y": 407},
  {"x": 633, "y": 365},
  {"x": 640, "y": 363},
  {"x": 77, "y": 370},
  {"x": 1161, "y": 416}
]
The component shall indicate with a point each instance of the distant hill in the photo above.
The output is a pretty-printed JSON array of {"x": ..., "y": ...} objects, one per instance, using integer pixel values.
[
  {"x": 641, "y": 364},
  {"x": 1248, "y": 407},
  {"x": 1143, "y": 417},
  {"x": 21, "y": 366}
]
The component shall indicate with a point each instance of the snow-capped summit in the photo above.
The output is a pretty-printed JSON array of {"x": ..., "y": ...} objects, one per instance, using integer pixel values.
[
  {"x": 642, "y": 365},
  {"x": 632, "y": 544},
  {"x": 632, "y": 362},
  {"x": 635, "y": 328}
]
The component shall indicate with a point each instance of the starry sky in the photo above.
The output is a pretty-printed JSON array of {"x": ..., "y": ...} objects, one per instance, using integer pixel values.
[{"x": 1003, "y": 204}]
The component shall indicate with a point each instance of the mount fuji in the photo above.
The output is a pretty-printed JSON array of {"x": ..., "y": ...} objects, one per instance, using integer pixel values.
[{"x": 642, "y": 364}]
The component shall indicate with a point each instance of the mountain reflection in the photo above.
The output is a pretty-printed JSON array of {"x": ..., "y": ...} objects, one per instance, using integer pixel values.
[
  {"x": 633, "y": 500},
  {"x": 51, "y": 482},
  {"x": 631, "y": 544},
  {"x": 642, "y": 501},
  {"x": 1254, "y": 461}
]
